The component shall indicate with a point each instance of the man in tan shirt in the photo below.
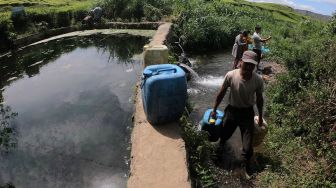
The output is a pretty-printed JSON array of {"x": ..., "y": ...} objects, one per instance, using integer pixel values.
[{"x": 246, "y": 88}]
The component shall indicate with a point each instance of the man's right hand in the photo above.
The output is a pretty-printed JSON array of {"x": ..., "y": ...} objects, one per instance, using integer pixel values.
[{"x": 213, "y": 114}]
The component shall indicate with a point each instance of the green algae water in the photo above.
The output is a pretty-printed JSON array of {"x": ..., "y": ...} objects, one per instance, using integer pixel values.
[{"x": 67, "y": 105}]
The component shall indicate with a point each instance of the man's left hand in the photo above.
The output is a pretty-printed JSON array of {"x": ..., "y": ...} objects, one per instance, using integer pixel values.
[{"x": 260, "y": 121}]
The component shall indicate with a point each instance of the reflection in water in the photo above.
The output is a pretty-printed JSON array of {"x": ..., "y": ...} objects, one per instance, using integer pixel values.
[
  {"x": 30, "y": 60},
  {"x": 73, "y": 98},
  {"x": 7, "y": 131}
]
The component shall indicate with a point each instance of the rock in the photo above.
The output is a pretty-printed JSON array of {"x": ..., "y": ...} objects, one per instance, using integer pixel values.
[{"x": 267, "y": 70}]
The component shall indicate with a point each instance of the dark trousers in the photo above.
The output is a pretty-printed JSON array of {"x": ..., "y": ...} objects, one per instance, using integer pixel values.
[
  {"x": 258, "y": 52},
  {"x": 244, "y": 118}
]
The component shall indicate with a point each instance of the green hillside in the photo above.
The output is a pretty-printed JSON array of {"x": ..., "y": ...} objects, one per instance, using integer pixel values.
[{"x": 44, "y": 6}]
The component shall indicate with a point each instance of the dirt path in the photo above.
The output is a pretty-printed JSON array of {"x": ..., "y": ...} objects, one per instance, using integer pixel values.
[{"x": 158, "y": 154}]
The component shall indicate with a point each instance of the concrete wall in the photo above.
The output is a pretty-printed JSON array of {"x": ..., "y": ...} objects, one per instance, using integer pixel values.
[
  {"x": 156, "y": 52},
  {"x": 110, "y": 25},
  {"x": 158, "y": 156}
]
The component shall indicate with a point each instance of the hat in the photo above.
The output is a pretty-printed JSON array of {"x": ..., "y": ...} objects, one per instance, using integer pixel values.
[
  {"x": 257, "y": 27},
  {"x": 250, "y": 57}
]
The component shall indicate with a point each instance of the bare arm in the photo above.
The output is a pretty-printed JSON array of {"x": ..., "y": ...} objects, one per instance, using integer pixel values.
[
  {"x": 265, "y": 40},
  {"x": 241, "y": 43},
  {"x": 219, "y": 99},
  {"x": 260, "y": 104}
]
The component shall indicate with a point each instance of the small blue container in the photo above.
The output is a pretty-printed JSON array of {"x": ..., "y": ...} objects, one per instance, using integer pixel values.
[
  {"x": 264, "y": 49},
  {"x": 164, "y": 93},
  {"x": 212, "y": 129}
]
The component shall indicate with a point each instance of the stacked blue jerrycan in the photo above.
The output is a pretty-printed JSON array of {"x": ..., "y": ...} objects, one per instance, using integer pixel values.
[
  {"x": 164, "y": 93},
  {"x": 213, "y": 128}
]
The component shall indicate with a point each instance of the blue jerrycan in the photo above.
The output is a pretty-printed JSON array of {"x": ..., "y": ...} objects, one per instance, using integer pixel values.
[
  {"x": 164, "y": 93},
  {"x": 212, "y": 126}
]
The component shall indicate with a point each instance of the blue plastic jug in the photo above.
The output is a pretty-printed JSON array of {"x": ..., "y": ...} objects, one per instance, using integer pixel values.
[
  {"x": 164, "y": 93},
  {"x": 264, "y": 49},
  {"x": 212, "y": 128}
]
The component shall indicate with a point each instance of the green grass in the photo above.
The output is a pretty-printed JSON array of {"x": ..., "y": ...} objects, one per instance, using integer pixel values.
[
  {"x": 280, "y": 12},
  {"x": 39, "y": 2},
  {"x": 74, "y": 6},
  {"x": 45, "y": 6},
  {"x": 4, "y": 16}
]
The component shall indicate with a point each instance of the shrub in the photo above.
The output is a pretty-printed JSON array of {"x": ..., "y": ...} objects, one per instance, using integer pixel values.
[
  {"x": 19, "y": 18},
  {"x": 6, "y": 36},
  {"x": 64, "y": 19},
  {"x": 152, "y": 13}
]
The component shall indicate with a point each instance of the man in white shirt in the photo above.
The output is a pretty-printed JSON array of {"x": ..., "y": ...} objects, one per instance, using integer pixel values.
[
  {"x": 257, "y": 40},
  {"x": 246, "y": 88}
]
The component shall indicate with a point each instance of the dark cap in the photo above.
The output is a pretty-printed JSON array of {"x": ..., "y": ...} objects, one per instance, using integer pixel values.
[{"x": 257, "y": 27}]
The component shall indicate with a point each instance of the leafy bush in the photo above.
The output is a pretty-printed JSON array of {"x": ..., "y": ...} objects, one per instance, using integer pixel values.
[
  {"x": 199, "y": 154},
  {"x": 152, "y": 13},
  {"x": 148, "y": 10},
  {"x": 19, "y": 19},
  {"x": 302, "y": 109},
  {"x": 6, "y": 36},
  {"x": 64, "y": 19}
]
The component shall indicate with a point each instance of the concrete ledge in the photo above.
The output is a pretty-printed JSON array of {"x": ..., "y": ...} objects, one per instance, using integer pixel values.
[
  {"x": 161, "y": 34},
  {"x": 109, "y": 25},
  {"x": 156, "y": 52},
  {"x": 158, "y": 157}
]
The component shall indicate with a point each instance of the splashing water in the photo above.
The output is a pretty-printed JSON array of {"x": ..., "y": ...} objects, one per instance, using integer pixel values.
[
  {"x": 194, "y": 74},
  {"x": 193, "y": 91},
  {"x": 211, "y": 81}
]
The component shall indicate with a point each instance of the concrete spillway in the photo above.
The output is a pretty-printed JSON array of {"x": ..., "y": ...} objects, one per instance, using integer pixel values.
[{"x": 158, "y": 157}]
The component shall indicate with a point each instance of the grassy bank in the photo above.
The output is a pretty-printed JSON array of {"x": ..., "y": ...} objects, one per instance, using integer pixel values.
[
  {"x": 39, "y": 16},
  {"x": 43, "y": 15}
]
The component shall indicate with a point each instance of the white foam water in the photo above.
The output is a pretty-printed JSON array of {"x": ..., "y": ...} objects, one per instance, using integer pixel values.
[
  {"x": 211, "y": 81},
  {"x": 193, "y": 91},
  {"x": 194, "y": 74}
]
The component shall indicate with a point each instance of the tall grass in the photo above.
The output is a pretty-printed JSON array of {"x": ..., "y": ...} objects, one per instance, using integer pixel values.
[
  {"x": 55, "y": 13},
  {"x": 146, "y": 10}
]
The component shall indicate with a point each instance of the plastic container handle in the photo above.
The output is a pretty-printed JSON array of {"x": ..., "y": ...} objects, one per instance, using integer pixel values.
[
  {"x": 147, "y": 75},
  {"x": 169, "y": 69}
]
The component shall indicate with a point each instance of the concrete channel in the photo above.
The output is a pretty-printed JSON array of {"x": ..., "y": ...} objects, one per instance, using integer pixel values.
[{"x": 158, "y": 156}]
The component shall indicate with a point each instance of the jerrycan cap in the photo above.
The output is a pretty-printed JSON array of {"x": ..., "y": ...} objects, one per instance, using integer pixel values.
[
  {"x": 212, "y": 121},
  {"x": 147, "y": 73}
]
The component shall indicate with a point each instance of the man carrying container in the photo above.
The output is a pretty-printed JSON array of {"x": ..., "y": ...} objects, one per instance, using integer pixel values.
[{"x": 246, "y": 88}]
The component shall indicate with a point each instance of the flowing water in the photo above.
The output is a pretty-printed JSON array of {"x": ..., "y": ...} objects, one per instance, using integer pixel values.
[{"x": 71, "y": 105}]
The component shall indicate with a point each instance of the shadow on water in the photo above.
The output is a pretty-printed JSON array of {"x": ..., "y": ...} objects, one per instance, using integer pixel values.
[{"x": 73, "y": 108}]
